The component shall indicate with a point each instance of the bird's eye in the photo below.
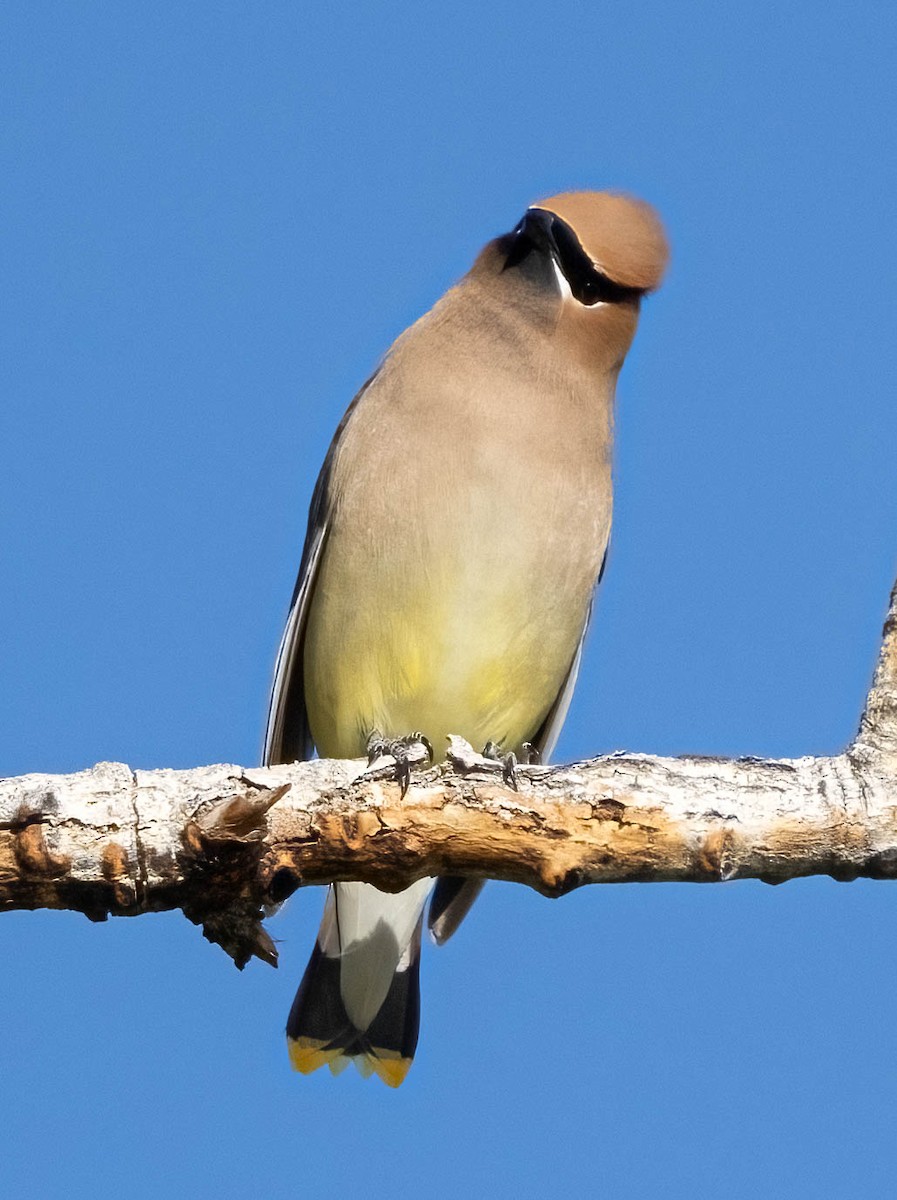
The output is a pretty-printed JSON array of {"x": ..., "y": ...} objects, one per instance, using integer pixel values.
[
  {"x": 589, "y": 291},
  {"x": 588, "y": 284}
]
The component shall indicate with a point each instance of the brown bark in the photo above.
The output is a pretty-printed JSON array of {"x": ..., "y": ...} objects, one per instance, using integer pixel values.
[{"x": 222, "y": 842}]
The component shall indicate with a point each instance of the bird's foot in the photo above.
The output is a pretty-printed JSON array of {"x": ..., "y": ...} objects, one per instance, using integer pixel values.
[
  {"x": 465, "y": 760},
  {"x": 492, "y": 751},
  {"x": 401, "y": 750}
]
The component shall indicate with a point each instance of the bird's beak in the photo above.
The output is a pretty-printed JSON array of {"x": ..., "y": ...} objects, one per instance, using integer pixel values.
[{"x": 537, "y": 226}]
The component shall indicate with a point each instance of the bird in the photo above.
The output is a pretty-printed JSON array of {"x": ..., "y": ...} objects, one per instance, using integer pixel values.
[{"x": 456, "y": 535}]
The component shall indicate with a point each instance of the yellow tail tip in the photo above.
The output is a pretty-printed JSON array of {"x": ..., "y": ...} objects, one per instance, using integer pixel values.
[
  {"x": 391, "y": 1070},
  {"x": 306, "y": 1055}
]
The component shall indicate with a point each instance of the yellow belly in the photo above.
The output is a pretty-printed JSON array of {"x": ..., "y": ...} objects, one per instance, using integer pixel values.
[{"x": 401, "y": 654}]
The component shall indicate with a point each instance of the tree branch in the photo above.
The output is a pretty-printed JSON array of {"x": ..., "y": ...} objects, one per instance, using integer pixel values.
[{"x": 223, "y": 842}]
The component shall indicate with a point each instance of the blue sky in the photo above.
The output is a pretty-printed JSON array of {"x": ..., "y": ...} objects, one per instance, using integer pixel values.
[{"x": 215, "y": 218}]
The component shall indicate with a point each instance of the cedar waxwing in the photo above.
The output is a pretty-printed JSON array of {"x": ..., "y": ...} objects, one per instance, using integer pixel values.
[{"x": 455, "y": 537}]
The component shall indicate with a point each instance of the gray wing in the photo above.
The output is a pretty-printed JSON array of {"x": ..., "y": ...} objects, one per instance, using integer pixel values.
[
  {"x": 454, "y": 895},
  {"x": 547, "y": 737},
  {"x": 287, "y": 733}
]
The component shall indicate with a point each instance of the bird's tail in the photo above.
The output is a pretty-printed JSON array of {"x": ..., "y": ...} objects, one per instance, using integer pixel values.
[{"x": 359, "y": 999}]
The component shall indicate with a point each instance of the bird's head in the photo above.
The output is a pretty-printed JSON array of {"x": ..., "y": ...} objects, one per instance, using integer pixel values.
[
  {"x": 605, "y": 245},
  {"x": 598, "y": 253}
]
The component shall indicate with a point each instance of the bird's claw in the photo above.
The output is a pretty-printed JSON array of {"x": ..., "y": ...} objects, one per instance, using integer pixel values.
[
  {"x": 397, "y": 749},
  {"x": 508, "y": 761}
]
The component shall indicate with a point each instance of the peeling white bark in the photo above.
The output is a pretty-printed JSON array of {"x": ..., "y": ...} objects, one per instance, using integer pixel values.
[{"x": 222, "y": 841}]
